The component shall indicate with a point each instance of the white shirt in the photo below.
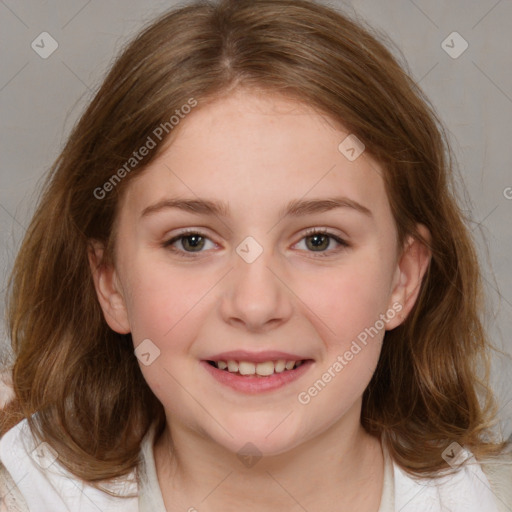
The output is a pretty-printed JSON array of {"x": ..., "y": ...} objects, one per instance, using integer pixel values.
[{"x": 47, "y": 486}]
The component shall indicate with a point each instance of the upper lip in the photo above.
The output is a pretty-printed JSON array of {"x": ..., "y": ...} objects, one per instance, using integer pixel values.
[{"x": 256, "y": 357}]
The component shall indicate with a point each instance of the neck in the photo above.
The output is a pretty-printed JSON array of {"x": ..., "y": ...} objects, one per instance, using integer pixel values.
[{"x": 327, "y": 472}]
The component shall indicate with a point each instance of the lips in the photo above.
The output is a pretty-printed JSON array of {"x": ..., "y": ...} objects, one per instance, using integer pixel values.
[
  {"x": 254, "y": 383},
  {"x": 262, "y": 369},
  {"x": 258, "y": 364}
]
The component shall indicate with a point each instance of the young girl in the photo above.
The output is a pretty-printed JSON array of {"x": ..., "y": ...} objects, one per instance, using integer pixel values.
[{"x": 248, "y": 285}]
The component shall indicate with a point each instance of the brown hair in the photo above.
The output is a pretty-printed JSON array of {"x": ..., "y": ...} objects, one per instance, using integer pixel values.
[{"x": 83, "y": 379}]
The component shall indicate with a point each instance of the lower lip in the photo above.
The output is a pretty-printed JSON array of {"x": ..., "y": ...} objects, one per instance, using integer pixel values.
[{"x": 254, "y": 384}]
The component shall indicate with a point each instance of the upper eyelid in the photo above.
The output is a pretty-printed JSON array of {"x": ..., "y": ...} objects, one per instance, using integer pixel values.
[{"x": 306, "y": 232}]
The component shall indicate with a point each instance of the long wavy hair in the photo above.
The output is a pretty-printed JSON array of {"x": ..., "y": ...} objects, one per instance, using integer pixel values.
[{"x": 83, "y": 380}]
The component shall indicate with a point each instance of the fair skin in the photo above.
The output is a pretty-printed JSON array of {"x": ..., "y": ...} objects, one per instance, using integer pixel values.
[{"x": 257, "y": 153}]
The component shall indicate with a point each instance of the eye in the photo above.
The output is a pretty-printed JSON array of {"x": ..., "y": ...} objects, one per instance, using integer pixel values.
[
  {"x": 191, "y": 242},
  {"x": 319, "y": 240}
]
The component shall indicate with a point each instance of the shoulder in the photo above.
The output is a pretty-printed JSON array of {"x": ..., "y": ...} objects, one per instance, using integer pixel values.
[
  {"x": 473, "y": 486},
  {"x": 499, "y": 473},
  {"x": 11, "y": 499},
  {"x": 34, "y": 479}
]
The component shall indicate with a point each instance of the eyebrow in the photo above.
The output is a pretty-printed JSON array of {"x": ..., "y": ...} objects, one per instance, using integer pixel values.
[{"x": 295, "y": 208}]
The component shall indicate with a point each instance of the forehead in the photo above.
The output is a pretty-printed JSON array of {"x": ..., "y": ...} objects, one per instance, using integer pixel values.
[{"x": 257, "y": 152}]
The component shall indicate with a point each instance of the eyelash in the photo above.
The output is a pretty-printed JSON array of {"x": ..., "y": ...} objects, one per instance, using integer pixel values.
[{"x": 310, "y": 232}]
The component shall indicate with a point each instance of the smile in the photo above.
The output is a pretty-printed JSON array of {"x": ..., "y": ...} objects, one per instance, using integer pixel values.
[
  {"x": 263, "y": 369},
  {"x": 252, "y": 378}
]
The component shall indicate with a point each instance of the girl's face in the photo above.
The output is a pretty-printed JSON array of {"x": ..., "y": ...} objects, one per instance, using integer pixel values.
[{"x": 238, "y": 265}]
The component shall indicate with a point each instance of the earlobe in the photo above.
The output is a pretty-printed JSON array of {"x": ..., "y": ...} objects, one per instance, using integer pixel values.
[
  {"x": 108, "y": 290},
  {"x": 411, "y": 269}
]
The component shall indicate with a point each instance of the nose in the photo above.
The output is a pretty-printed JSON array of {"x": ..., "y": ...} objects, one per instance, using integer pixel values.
[{"x": 255, "y": 294}]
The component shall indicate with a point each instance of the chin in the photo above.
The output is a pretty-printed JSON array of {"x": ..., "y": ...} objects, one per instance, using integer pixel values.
[{"x": 258, "y": 438}]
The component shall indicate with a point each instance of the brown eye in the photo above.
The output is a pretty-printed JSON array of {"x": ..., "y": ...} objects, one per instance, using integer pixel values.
[
  {"x": 192, "y": 242},
  {"x": 319, "y": 241},
  {"x": 187, "y": 243}
]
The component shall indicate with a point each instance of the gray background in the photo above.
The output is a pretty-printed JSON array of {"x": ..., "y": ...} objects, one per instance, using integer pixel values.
[{"x": 40, "y": 99}]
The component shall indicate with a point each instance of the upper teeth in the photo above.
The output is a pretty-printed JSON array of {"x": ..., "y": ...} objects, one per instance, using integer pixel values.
[{"x": 263, "y": 369}]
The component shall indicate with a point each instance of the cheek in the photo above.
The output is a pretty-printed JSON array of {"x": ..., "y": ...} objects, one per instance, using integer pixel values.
[
  {"x": 348, "y": 299},
  {"x": 167, "y": 307},
  {"x": 161, "y": 299},
  {"x": 347, "y": 307},
  {"x": 164, "y": 306}
]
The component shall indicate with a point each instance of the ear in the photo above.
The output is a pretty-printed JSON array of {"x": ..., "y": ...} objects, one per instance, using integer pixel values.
[
  {"x": 411, "y": 267},
  {"x": 108, "y": 290}
]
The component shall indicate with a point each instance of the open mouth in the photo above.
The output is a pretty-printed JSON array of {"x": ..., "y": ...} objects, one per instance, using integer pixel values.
[{"x": 263, "y": 369}]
